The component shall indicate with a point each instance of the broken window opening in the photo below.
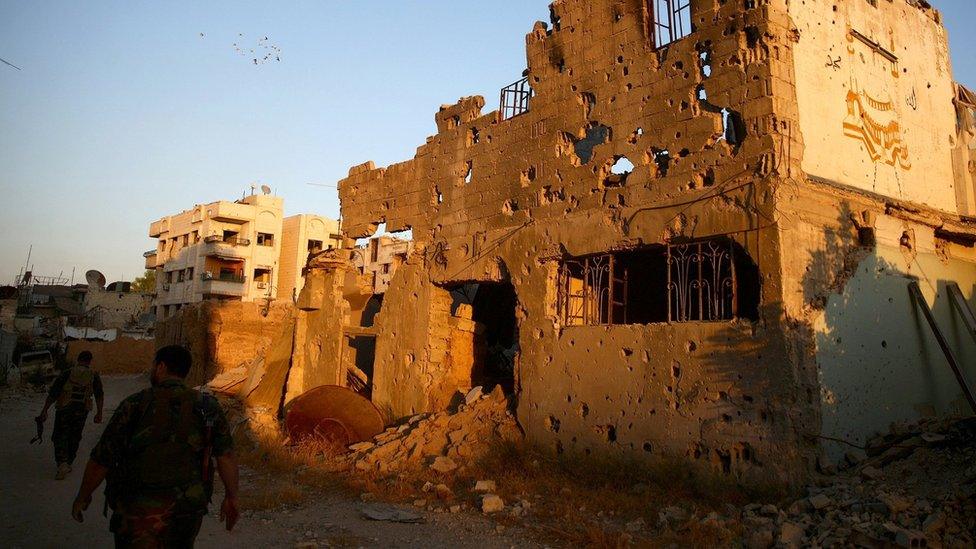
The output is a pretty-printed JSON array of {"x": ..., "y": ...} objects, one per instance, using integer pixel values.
[
  {"x": 596, "y": 134},
  {"x": 515, "y": 98},
  {"x": 670, "y": 20},
  {"x": 703, "y": 281},
  {"x": 265, "y": 239},
  {"x": 315, "y": 246},
  {"x": 381, "y": 231}
]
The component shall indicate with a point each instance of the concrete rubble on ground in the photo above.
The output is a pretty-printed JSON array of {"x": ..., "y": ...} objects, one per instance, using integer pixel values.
[
  {"x": 915, "y": 488},
  {"x": 443, "y": 442}
]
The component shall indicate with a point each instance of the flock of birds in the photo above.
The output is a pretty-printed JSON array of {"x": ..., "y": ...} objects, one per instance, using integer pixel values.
[{"x": 263, "y": 52}]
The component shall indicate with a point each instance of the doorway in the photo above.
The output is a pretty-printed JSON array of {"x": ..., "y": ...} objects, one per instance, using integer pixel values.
[{"x": 496, "y": 344}]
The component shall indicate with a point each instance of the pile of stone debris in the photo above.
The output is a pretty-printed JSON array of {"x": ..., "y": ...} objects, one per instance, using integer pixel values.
[
  {"x": 444, "y": 441},
  {"x": 915, "y": 488}
]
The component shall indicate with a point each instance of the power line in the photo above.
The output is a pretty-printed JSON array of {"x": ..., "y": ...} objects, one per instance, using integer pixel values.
[{"x": 9, "y": 63}]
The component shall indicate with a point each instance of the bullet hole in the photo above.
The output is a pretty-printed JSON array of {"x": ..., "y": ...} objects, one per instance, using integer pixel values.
[
  {"x": 648, "y": 447},
  {"x": 646, "y": 357},
  {"x": 700, "y": 93},
  {"x": 621, "y": 168},
  {"x": 559, "y": 447},
  {"x": 552, "y": 424},
  {"x": 661, "y": 158},
  {"x": 440, "y": 195},
  {"x": 733, "y": 127},
  {"x": 555, "y": 19},
  {"x": 691, "y": 347},
  {"x": 884, "y": 344},
  {"x": 510, "y": 207},
  {"x": 470, "y": 171},
  {"x": 705, "y": 59},
  {"x": 708, "y": 179},
  {"x": 609, "y": 432},
  {"x": 725, "y": 459},
  {"x": 627, "y": 353},
  {"x": 527, "y": 176},
  {"x": 683, "y": 153},
  {"x": 676, "y": 370},
  {"x": 588, "y": 100},
  {"x": 584, "y": 410},
  {"x": 678, "y": 65},
  {"x": 752, "y": 36},
  {"x": 635, "y": 136}
]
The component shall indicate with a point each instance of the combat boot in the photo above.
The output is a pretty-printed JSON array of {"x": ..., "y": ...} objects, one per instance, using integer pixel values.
[{"x": 63, "y": 470}]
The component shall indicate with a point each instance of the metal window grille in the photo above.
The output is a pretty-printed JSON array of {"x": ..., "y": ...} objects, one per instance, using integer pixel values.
[
  {"x": 592, "y": 291},
  {"x": 671, "y": 20},
  {"x": 701, "y": 281},
  {"x": 515, "y": 99},
  {"x": 700, "y": 285}
]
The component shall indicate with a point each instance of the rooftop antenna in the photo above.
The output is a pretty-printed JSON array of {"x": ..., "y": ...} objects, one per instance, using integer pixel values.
[
  {"x": 253, "y": 187},
  {"x": 95, "y": 279}
]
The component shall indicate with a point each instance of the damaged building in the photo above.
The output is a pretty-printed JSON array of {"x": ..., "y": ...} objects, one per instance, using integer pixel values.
[
  {"x": 739, "y": 232},
  {"x": 693, "y": 228}
]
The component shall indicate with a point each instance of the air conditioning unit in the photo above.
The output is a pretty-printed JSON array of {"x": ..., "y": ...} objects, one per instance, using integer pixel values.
[{"x": 262, "y": 285}]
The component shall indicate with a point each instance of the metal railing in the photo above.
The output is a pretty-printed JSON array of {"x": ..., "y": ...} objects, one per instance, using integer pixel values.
[
  {"x": 222, "y": 277},
  {"x": 232, "y": 240},
  {"x": 515, "y": 99}
]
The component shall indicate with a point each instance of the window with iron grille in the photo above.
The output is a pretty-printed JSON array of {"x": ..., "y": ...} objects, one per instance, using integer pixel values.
[
  {"x": 670, "y": 20},
  {"x": 515, "y": 99},
  {"x": 709, "y": 280}
]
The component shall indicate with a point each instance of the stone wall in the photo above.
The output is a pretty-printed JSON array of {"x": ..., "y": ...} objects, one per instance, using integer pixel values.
[
  {"x": 223, "y": 335},
  {"x": 121, "y": 356}
]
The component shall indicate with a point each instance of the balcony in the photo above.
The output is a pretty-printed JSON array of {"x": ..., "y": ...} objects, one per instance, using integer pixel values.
[
  {"x": 230, "y": 212},
  {"x": 222, "y": 285},
  {"x": 227, "y": 248},
  {"x": 151, "y": 262}
]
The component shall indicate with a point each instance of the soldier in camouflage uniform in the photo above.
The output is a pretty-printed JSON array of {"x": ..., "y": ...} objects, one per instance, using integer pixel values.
[
  {"x": 71, "y": 394},
  {"x": 157, "y": 454}
]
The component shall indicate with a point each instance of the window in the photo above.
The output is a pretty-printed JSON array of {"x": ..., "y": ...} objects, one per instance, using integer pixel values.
[
  {"x": 515, "y": 98},
  {"x": 709, "y": 280},
  {"x": 265, "y": 239},
  {"x": 179, "y": 275},
  {"x": 314, "y": 246},
  {"x": 169, "y": 277},
  {"x": 189, "y": 273},
  {"x": 263, "y": 277},
  {"x": 670, "y": 20},
  {"x": 386, "y": 268}
]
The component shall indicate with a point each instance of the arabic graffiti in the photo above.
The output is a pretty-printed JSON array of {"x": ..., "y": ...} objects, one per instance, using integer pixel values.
[{"x": 882, "y": 140}]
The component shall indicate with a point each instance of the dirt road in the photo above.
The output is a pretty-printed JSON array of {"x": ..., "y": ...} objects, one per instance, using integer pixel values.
[{"x": 34, "y": 508}]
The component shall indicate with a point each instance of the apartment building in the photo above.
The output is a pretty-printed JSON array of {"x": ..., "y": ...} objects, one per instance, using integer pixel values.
[
  {"x": 224, "y": 251},
  {"x": 303, "y": 235},
  {"x": 379, "y": 258}
]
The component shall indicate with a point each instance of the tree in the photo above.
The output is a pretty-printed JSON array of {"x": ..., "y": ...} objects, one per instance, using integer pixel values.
[{"x": 146, "y": 282}]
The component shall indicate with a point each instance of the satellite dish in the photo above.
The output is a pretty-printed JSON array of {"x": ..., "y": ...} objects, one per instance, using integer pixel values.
[
  {"x": 266, "y": 189},
  {"x": 95, "y": 279}
]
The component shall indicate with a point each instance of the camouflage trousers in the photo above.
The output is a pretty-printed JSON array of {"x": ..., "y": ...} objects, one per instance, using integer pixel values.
[
  {"x": 144, "y": 527},
  {"x": 69, "y": 423}
]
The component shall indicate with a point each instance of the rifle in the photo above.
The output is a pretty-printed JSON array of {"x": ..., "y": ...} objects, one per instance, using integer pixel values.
[{"x": 38, "y": 438}]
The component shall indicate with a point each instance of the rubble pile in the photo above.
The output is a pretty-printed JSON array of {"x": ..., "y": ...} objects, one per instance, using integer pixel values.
[
  {"x": 443, "y": 442},
  {"x": 916, "y": 487}
]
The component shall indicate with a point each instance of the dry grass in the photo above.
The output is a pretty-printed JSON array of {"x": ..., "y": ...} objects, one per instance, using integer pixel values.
[
  {"x": 575, "y": 499},
  {"x": 586, "y": 500}
]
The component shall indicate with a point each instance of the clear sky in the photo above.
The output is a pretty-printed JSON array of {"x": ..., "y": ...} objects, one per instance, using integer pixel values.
[{"x": 123, "y": 113}]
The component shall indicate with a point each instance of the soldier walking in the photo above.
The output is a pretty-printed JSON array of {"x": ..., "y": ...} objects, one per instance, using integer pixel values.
[
  {"x": 71, "y": 394},
  {"x": 157, "y": 455}
]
